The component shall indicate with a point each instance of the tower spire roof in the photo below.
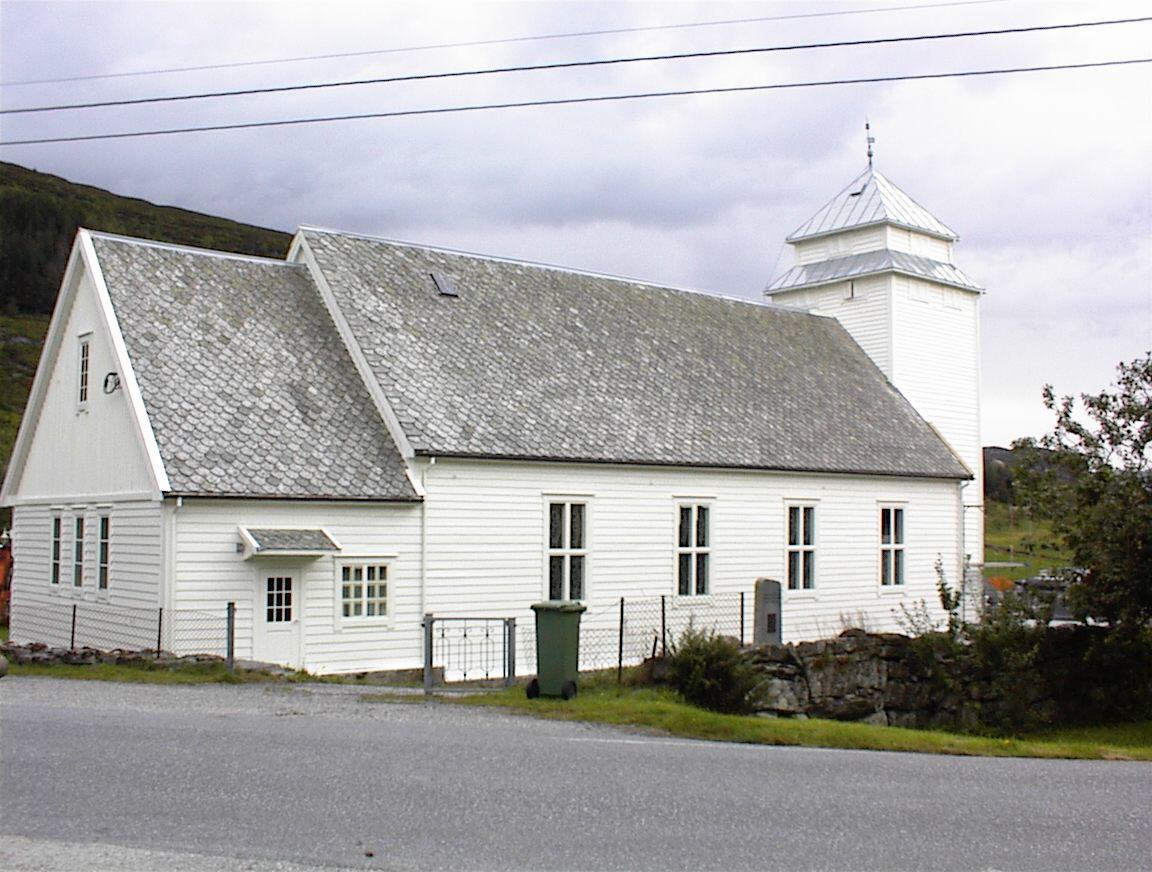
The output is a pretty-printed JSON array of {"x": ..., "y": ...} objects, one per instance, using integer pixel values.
[{"x": 871, "y": 199}]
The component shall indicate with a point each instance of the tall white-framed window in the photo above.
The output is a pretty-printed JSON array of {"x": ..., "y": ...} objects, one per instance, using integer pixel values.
[
  {"x": 693, "y": 548},
  {"x": 78, "y": 552},
  {"x": 57, "y": 535},
  {"x": 891, "y": 546},
  {"x": 104, "y": 558},
  {"x": 82, "y": 372},
  {"x": 801, "y": 548},
  {"x": 567, "y": 549},
  {"x": 364, "y": 589}
]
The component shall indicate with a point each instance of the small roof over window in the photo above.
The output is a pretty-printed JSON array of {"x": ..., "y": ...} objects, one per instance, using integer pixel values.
[{"x": 287, "y": 542}]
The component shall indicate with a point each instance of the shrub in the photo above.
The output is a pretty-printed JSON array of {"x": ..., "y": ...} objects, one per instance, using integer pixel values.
[{"x": 710, "y": 671}]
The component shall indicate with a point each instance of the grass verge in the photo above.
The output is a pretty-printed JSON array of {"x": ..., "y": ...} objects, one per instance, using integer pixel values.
[
  {"x": 190, "y": 673},
  {"x": 200, "y": 673},
  {"x": 662, "y": 711}
]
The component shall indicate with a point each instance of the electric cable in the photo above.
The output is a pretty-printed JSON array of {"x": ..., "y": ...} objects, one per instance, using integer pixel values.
[
  {"x": 445, "y": 110},
  {"x": 562, "y": 65}
]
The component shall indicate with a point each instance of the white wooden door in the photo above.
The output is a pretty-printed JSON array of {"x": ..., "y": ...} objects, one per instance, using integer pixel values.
[{"x": 276, "y": 624}]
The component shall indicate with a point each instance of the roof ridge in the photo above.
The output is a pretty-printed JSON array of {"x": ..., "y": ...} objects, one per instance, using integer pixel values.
[
  {"x": 190, "y": 249},
  {"x": 547, "y": 266}
]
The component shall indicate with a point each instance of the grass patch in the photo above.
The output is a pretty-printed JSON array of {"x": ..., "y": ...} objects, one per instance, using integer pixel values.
[
  {"x": 663, "y": 711},
  {"x": 198, "y": 673},
  {"x": 405, "y": 698},
  {"x": 1013, "y": 536},
  {"x": 188, "y": 673}
]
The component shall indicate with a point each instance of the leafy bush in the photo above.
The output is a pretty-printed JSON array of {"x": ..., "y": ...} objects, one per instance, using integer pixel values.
[
  {"x": 711, "y": 672},
  {"x": 1037, "y": 675}
]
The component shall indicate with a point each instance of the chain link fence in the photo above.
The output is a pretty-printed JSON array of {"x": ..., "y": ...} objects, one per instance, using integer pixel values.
[
  {"x": 108, "y": 626},
  {"x": 621, "y": 633}
]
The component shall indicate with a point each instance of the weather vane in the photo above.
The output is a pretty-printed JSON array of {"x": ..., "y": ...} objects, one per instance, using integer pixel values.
[{"x": 871, "y": 141}]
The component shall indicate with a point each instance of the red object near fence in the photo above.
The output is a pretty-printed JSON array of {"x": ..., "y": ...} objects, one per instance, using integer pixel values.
[{"x": 5, "y": 579}]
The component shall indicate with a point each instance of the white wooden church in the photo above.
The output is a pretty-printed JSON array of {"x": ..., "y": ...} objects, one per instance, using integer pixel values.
[{"x": 367, "y": 431}]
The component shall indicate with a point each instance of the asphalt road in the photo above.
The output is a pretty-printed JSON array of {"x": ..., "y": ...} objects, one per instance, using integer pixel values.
[{"x": 96, "y": 775}]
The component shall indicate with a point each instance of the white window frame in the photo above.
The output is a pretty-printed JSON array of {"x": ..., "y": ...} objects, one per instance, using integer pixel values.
[
  {"x": 104, "y": 551},
  {"x": 294, "y": 602},
  {"x": 79, "y": 540},
  {"x": 83, "y": 370},
  {"x": 56, "y": 550},
  {"x": 812, "y": 548},
  {"x": 566, "y": 551},
  {"x": 893, "y": 547},
  {"x": 694, "y": 549},
  {"x": 388, "y": 561}
]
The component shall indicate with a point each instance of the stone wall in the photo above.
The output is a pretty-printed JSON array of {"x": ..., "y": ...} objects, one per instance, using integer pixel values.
[{"x": 879, "y": 678}]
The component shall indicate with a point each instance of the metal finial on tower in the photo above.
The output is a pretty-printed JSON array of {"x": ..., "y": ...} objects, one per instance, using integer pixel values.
[{"x": 871, "y": 141}]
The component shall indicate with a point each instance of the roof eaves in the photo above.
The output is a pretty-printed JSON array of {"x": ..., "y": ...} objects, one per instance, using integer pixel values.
[
  {"x": 879, "y": 271},
  {"x": 521, "y": 458},
  {"x": 304, "y": 498},
  {"x": 947, "y": 237}
]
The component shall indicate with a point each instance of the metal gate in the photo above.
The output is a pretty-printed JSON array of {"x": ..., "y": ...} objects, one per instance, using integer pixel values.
[{"x": 469, "y": 649}]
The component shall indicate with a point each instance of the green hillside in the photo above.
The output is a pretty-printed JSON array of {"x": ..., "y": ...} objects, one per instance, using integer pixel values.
[{"x": 39, "y": 215}]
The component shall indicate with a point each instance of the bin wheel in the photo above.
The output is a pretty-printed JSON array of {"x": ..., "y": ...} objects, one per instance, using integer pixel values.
[
  {"x": 533, "y": 689},
  {"x": 568, "y": 691}
]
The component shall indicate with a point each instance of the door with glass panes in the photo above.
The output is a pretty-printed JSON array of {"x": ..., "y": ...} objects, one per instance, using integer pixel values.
[{"x": 277, "y": 616}]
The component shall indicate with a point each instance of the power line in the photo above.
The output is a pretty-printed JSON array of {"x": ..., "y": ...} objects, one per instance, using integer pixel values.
[
  {"x": 562, "y": 65},
  {"x": 445, "y": 110},
  {"x": 485, "y": 42}
]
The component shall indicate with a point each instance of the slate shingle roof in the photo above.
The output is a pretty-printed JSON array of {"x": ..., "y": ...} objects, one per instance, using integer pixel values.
[
  {"x": 273, "y": 539},
  {"x": 854, "y": 265},
  {"x": 246, "y": 382},
  {"x": 537, "y": 362},
  {"x": 871, "y": 199}
]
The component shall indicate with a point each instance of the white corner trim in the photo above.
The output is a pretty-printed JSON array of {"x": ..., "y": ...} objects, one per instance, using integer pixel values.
[
  {"x": 123, "y": 362},
  {"x": 300, "y": 252}
]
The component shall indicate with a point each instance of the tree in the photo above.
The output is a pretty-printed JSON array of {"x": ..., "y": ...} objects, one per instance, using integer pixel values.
[{"x": 1096, "y": 487}]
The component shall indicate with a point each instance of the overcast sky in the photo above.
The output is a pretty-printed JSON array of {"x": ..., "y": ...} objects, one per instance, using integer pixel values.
[{"x": 1047, "y": 177}]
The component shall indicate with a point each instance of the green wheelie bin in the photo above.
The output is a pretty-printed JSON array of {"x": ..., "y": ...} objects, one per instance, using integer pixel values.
[{"x": 557, "y": 649}]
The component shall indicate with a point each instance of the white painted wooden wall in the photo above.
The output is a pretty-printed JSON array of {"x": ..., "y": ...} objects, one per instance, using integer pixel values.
[
  {"x": 924, "y": 336},
  {"x": 86, "y": 461}
]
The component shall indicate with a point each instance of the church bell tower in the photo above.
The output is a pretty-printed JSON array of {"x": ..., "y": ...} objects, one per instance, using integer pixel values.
[{"x": 882, "y": 265}]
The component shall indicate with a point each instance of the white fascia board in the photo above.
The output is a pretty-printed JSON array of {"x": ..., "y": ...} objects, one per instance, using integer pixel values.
[
  {"x": 124, "y": 364},
  {"x": 102, "y": 497},
  {"x": 300, "y": 252}
]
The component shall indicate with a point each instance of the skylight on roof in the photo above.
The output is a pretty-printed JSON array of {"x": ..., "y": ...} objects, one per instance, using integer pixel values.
[{"x": 444, "y": 284}]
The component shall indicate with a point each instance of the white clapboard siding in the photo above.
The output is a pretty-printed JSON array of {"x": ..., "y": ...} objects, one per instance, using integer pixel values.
[
  {"x": 41, "y": 611},
  {"x": 210, "y": 572},
  {"x": 487, "y": 536},
  {"x": 89, "y": 450},
  {"x": 840, "y": 244},
  {"x": 936, "y": 365},
  {"x": 903, "y": 239}
]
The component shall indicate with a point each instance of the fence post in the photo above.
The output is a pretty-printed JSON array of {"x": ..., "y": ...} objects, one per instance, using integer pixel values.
[
  {"x": 230, "y": 658},
  {"x": 428, "y": 620},
  {"x": 159, "y": 628},
  {"x": 510, "y": 651},
  {"x": 620, "y": 648},
  {"x": 663, "y": 628},
  {"x": 72, "y": 638},
  {"x": 741, "y": 619}
]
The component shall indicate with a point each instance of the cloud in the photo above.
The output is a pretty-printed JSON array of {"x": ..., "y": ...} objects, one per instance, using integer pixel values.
[{"x": 1045, "y": 176}]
